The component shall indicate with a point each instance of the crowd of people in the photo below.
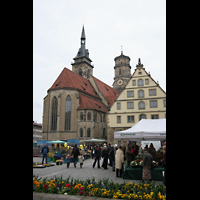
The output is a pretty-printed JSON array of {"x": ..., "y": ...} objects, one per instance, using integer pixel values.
[{"x": 115, "y": 156}]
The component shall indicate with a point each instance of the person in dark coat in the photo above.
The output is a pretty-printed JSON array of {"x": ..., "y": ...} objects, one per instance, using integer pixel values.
[
  {"x": 152, "y": 151},
  {"x": 45, "y": 151},
  {"x": 97, "y": 155},
  {"x": 163, "y": 164},
  {"x": 76, "y": 153},
  {"x": 105, "y": 157},
  {"x": 108, "y": 149},
  {"x": 112, "y": 157}
]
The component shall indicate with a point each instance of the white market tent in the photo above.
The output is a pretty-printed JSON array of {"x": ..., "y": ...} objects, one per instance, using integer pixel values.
[
  {"x": 93, "y": 140},
  {"x": 145, "y": 129}
]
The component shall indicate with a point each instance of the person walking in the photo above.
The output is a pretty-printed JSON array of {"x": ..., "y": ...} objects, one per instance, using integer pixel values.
[
  {"x": 147, "y": 159},
  {"x": 92, "y": 152},
  {"x": 68, "y": 160},
  {"x": 119, "y": 160},
  {"x": 105, "y": 157},
  {"x": 45, "y": 151},
  {"x": 76, "y": 153},
  {"x": 97, "y": 155},
  {"x": 81, "y": 159}
]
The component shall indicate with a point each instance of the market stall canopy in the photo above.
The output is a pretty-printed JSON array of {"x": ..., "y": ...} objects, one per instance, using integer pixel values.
[
  {"x": 145, "y": 129},
  {"x": 57, "y": 142},
  {"x": 93, "y": 140}
]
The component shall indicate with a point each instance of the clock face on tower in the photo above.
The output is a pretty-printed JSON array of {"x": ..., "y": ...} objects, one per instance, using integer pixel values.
[
  {"x": 82, "y": 41},
  {"x": 120, "y": 82}
]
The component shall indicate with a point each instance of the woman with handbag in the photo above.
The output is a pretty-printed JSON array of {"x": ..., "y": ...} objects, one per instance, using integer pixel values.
[{"x": 147, "y": 160}]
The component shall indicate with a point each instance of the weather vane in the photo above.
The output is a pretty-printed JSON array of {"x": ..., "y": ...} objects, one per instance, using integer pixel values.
[{"x": 121, "y": 49}]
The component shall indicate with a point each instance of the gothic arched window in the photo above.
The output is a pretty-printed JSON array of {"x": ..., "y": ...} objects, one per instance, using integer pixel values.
[
  {"x": 81, "y": 116},
  {"x": 104, "y": 118},
  {"x": 81, "y": 132},
  {"x": 88, "y": 132},
  {"x": 89, "y": 116},
  {"x": 104, "y": 134},
  {"x": 68, "y": 113},
  {"x": 54, "y": 114}
]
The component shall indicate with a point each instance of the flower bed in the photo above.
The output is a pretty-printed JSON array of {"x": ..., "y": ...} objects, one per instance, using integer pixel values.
[
  {"x": 102, "y": 188},
  {"x": 40, "y": 165}
]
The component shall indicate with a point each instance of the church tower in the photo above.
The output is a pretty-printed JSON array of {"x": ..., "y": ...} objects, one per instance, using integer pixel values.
[
  {"x": 82, "y": 62},
  {"x": 122, "y": 72}
]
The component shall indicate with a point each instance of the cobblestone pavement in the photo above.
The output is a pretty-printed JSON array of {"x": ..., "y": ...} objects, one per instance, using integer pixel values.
[{"x": 80, "y": 173}]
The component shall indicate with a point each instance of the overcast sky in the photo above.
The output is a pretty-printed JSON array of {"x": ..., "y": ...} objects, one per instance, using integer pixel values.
[{"x": 138, "y": 25}]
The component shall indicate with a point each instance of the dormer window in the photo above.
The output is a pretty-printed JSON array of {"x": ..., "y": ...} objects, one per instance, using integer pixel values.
[{"x": 85, "y": 83}]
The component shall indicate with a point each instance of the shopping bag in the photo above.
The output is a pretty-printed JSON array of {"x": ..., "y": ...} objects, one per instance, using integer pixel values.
[{"x": 101, "y": 163}]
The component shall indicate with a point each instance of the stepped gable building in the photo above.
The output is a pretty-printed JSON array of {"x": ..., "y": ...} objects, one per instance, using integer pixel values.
[
  {"x": 142, "y": 98},
  {"x": 77, "y": 103}
]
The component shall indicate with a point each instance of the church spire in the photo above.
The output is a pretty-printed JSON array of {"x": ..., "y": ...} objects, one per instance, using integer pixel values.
[
  {"x": 83, "y": 52},
  {"x": 82, "y": 63},
  {"x": 83, "y": 33}
]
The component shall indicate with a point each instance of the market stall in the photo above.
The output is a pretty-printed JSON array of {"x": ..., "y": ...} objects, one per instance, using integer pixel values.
[
  {"x": 145, "y": 129},
  {"x": 93, "y": 141},
  {"x": 136, "y": 173},
  {"x": 57, "y": 155}
]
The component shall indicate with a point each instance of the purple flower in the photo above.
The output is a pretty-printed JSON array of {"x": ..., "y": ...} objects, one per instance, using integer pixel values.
[{"x": 59, "y": 185}]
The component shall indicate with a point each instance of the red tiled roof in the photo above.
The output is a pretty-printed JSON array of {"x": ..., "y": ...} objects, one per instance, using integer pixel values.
[
  {"x": 69, "y": 79},
  {"x": 36, "y": 124},
  {"x": 91, "y": 104},
  {"x": 109, "y": 93}
]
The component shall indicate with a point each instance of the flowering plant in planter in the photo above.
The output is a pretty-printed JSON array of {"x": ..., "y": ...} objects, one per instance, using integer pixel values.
[{"x": 134, "y": 163}]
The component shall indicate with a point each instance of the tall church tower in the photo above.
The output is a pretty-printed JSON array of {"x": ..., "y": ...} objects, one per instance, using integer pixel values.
[
  {"x": 122, "y": 72},
  {"x": 82, "y": 62}
]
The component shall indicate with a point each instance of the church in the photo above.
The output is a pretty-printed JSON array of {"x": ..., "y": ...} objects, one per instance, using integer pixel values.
[
  {"x": 77, "y": 103},
  {"x": 80, "y": 106}
]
